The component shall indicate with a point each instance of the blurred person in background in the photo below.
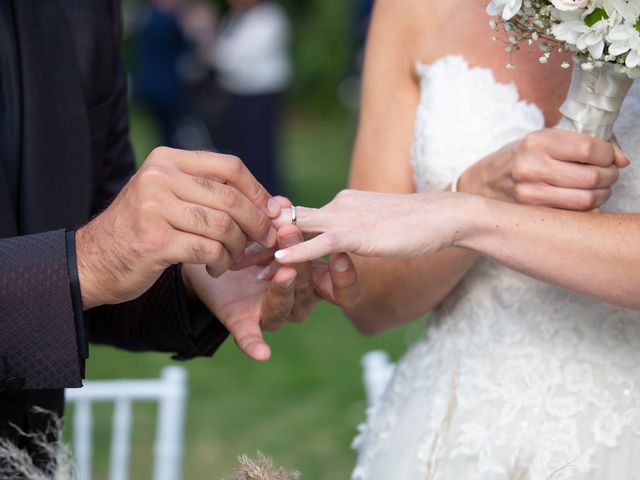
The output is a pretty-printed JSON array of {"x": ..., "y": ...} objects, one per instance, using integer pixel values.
[
  {"x": 160, "y": 44},
  {"x": 252, "y": 60},
  {"x": 171, "y": 79}
]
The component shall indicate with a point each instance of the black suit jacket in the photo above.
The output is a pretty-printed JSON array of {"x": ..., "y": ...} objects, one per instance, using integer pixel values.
[{"x": 75, "y": 157}]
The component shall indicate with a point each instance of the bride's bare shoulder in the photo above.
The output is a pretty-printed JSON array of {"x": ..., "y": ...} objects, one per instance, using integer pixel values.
[{"x": 410, "y": 22}]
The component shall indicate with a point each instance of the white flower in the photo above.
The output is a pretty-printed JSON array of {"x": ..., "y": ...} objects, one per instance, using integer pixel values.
[
  {"x": 625, "y": 38},
  {"x": 507, "y": 8},
  {"x": 628, "y": 9},
  {"x": 566, "y": 5},
  {"x": 585, "y": 38}
]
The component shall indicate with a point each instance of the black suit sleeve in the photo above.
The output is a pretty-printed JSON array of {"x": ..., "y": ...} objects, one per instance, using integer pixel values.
[{"x": 37, "y": 335}]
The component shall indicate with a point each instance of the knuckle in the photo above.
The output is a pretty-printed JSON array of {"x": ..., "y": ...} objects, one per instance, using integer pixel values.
[
  {"x": 521, "y": 170},
  {"x": 198, "y": 251},
  {"x": 154, "y": 240},
  {"x": 332, "y": 239},
  {"x": 615, "y": 176},
  {"x": 585, "y": 148},
  {"x": 158, "y": 155},
  {"x": 151, "y": 175},
  {"x": 149, "y": 206},
  {"x": 215, "y": 251},
  {"x": 205, "y": 183},
  {"x": 520, "y": 193},
  {"x": 302, "y": 213},
  {"x": 234, "y": 166},
  {"x": 222, "y": 222},
  {"x": 590, "y": 178},
  {"x": 229, "y": 196},
  {"x": 530, "y": 142},
  {"x": 199, "y": 216},
  {"x": 585, "y": 200},
  {"x": 304, "y": 291}
]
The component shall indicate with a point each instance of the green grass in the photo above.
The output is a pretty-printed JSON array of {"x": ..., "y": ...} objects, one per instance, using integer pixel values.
[{"x": 302, "y": 407}]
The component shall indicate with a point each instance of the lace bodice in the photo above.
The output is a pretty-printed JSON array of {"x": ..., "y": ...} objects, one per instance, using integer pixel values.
[{"x": 515, "y": 378}]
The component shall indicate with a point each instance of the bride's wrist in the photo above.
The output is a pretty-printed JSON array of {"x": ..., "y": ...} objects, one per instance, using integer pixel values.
[
  {"x": 486, "y": 178},
  {"x": 471, "y": 181},
  {"x": 473, "y": 218}
]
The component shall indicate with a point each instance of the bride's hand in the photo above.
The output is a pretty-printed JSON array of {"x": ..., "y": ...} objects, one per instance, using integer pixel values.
[
  {"x": 334, "y": 280},
  {"x": 551, "y": 168},
  {"x": 377, "y": 225}
]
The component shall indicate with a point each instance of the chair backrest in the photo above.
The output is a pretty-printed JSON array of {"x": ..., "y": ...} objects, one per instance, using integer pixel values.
[
  {"x": 169, "y": 391},
  {"x": 377, "y": 373}
]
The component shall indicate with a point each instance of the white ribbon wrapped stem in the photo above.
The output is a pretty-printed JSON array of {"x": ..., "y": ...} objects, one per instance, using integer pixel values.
[{"x": 594, "y": 100}]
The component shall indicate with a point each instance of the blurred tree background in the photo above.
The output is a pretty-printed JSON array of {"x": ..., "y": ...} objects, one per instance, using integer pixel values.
[
  {"x": 322, "y": 50},
  {"x": 303, "y": 406}
]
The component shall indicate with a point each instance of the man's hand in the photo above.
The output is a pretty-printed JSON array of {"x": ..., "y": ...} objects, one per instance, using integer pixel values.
[
  {"x": 264, "y": 297},
  {"x": 181, "y": 207}
]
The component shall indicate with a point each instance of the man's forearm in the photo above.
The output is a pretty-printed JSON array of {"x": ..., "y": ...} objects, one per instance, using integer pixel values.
[{"x": 591, "y": 253}]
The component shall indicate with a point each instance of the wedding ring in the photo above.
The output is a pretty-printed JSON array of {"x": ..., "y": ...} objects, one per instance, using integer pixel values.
[{"x": 294, "y": 215}]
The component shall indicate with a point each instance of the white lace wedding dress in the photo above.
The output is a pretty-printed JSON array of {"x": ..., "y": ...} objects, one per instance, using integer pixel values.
[{"x": 515, "y": 379}]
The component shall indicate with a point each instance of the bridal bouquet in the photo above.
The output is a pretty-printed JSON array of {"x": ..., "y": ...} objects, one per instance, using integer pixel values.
[{"x": 604, "y": 36}]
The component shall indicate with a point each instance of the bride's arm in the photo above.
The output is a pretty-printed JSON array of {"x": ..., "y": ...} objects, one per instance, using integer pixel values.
[
  {"x": 594, "y": 254},
  {"x": 395, "y": 291},
  {"x": 590, "y": 253}
]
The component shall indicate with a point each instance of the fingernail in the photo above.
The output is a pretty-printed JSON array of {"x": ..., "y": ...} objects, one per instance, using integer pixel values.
[
  {"x": 273, "y": 207},
  {"x": 272, "y": 237},
  {"x": 264, "y": 273},
  {"x": 288, "y": 284},
  {"x": 281, "y": 254},
  {"x": 253, "y": 248},
  {"x": 341, "y": 265}
]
